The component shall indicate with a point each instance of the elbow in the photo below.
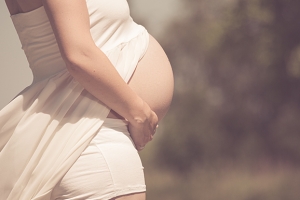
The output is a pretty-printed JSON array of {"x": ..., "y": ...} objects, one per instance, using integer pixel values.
[
  {"x": 77, "y": 60},
  {"x": 72, "y": 64}
]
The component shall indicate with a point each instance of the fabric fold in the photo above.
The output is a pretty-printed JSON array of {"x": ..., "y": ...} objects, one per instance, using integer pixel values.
[{"x": 44, "y": 129}]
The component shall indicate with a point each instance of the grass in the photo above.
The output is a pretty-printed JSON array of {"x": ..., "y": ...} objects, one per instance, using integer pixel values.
[{"x": 233, "y": 182}]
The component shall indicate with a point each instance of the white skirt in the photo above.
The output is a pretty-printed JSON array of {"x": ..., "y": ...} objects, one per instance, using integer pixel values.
[
  {"x": 45, "y": 129},
  {"x": 109, "y": 167}
]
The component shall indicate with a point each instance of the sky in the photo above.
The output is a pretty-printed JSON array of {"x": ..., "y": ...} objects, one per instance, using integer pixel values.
[{"x": 15, "y": 74}]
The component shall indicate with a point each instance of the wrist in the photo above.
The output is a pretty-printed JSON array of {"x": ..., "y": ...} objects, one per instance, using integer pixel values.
[{"x": 139, "y": 113}]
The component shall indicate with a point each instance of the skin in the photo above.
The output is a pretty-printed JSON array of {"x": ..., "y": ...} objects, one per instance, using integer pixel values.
[
  {"x": 90, "y": 66},
  {"x": 136, "y": 101}
]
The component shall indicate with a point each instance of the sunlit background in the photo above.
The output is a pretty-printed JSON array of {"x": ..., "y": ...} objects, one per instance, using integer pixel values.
[{"x": 233, "y": 130}]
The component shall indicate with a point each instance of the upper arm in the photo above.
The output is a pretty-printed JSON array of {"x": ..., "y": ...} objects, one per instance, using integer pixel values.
[{"x": 70, "y": 22}]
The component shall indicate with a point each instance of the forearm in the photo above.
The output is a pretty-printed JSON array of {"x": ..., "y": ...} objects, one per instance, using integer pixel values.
[
  {"x": 87, "y": 63},
  {"x": 93, "y": 70}
]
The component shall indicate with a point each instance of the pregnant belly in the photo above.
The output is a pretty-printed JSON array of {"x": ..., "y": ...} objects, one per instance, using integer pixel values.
[{"x": 153, "y": 80}]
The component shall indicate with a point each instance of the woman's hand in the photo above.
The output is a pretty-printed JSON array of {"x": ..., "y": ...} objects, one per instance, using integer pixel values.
[
  {"x": 142, "y": 128},
  {"x": 93, "y": 70}
]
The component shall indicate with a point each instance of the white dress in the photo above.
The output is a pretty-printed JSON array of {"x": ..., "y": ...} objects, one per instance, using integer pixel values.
[{"x": 45, "y": 129}]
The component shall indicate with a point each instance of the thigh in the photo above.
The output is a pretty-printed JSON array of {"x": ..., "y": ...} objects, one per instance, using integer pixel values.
[{"x": 110, "y": 167}]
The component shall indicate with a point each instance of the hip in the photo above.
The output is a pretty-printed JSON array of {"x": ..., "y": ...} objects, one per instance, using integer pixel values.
[{"x": 110, "y": 166}]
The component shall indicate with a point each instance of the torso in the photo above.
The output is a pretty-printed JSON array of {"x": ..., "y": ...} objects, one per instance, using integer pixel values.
[{"x": 152, "y": 79}]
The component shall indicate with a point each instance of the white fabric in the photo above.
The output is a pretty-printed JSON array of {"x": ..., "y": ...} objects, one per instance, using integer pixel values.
[
  {"x": 46, "y": 128},
  {"x": 109, "y": 167}
]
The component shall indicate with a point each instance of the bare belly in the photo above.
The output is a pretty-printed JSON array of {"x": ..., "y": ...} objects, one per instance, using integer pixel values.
[{"x": 153, "y": 80}]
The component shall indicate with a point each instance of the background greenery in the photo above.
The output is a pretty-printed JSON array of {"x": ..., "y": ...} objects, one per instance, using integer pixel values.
[{"x": 233, "y": 130}]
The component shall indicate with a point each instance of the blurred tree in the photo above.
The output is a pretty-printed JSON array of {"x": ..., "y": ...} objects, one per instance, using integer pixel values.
[{"x": 237, "y": 83}]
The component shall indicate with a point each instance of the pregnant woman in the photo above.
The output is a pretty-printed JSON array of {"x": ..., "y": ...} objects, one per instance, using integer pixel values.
[{"x": 101, "y": 84}]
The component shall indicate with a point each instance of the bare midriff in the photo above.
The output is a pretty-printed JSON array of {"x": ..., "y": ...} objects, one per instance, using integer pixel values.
[{"x": 153, "y": 80}]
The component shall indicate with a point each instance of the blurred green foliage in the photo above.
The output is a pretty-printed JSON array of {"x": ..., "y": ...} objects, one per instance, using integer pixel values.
[
  {"x": 233, "y": 130},
  {"x": 237, "y": 84}
]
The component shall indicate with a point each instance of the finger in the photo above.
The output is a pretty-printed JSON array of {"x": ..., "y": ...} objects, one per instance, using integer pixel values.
[
  {"x": 140, "y": 148},
  {"x": 154, "y": 131},
  {"x": 151, "y": 137}
]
